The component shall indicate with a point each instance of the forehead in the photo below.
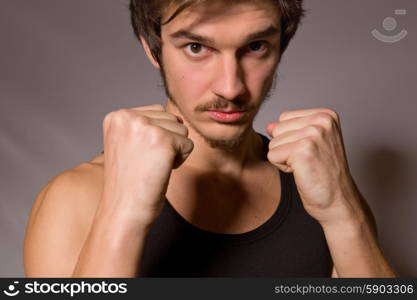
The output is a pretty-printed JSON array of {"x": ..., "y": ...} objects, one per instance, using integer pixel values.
[{"x": 215, "y": 17}]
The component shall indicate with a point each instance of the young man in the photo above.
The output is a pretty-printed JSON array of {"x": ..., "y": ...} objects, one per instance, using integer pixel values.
[{"x": 191, "y": 189}]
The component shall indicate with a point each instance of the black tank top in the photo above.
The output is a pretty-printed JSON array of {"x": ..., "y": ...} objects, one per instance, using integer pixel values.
[{"x": 289, "y": 244}]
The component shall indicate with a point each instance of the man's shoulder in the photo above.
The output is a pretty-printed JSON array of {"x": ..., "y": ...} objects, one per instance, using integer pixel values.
[
  {"x": 87, "y": 174},
  {"x": 85, "y": 178},
  {"x": 78, "y": 188}
]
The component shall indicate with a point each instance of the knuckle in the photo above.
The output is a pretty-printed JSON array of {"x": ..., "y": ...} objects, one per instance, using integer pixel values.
[
  {"x": 315, "y": 131},
  {"x": 324, "y": 120},
  {"x": 306, "y": 148},
  {"x": 273, "y": 143},
  {"x": 156, "y": 135},
  {"x": 332, "y": 113},
  {"x": 282, "y": 116},
  {"x": 156, "y": 107},
  {"x": 169, "y": 116},
  {"x": 138, "y": 124},
  {"x": 126, "y": 119},
  {"x": 120, "y": 115},
  {"x": 142, "y": 120},
  {"x": 337, "y": 117},
  {"x": 114, "y": 118},
  {"x": 121, "y": 112},
  {"x": 271, "y": 156},
  {"x": 173, "y": 117},
  {"x": 107, "y": 119}
]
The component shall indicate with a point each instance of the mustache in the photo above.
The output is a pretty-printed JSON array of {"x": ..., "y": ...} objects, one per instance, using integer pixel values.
[{"x": 220, "y": 103}]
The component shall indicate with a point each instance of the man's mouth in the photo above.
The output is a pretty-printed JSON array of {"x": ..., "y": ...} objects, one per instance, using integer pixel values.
[
  {"x": 227, "y": 111},
  {"x": 226, "y": 116}
]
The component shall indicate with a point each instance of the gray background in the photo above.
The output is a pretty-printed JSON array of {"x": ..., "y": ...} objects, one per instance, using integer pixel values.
[{"x": 65, "y": 64}]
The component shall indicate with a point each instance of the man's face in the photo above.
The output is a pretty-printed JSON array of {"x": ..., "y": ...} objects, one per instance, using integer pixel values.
[{"x": 221, "y": 57}]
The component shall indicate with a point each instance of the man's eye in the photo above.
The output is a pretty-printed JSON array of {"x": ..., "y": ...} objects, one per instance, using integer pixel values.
[
  {"x": 258, "y": 46},
  {"x": 195, "y": 49}
]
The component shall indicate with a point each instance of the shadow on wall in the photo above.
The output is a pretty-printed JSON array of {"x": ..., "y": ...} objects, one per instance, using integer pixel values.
[{"x": 389, "y": 177}]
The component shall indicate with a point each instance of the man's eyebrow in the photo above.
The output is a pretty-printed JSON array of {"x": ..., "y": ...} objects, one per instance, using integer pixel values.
[
  {"x": 271, "y": 30},
  {"x": 184, "y": 34}
]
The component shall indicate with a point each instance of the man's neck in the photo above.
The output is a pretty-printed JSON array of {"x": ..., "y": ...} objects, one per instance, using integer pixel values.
[{"x": 232, "y": 162}]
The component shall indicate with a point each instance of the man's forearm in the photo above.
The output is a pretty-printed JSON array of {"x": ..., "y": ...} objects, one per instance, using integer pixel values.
[
  {"x": 354, "y": 248},
  {"x": 112, "y": 248}
]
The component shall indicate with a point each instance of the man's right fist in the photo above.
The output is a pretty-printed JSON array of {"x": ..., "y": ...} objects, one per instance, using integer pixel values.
[
  {"x": 152, "y": 124},
  {"x": 141, "y": 147}
]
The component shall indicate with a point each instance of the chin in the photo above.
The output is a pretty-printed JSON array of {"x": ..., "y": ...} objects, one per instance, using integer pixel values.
[{"x": 224, "y": 136}]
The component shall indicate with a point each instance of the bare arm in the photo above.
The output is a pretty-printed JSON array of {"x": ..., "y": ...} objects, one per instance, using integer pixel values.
[
  {"x": 113, "y": 248},
  {"x": 354, "y": 246},
  {"x": 71, "y": 232},
  {"x": 309, "y": 144}
]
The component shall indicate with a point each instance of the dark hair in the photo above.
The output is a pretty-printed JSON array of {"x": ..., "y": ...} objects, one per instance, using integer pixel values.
[{"x": 146, "y": 19}]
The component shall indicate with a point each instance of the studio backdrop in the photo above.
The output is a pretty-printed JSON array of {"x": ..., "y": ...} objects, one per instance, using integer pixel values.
[{"x": 65, "y": 64}]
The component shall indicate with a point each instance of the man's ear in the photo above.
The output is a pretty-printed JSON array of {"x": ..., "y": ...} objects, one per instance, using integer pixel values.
[{"x": 149, "y": 53}]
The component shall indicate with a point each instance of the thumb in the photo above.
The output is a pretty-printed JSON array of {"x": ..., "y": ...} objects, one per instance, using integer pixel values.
[{"x": 184, "y": 147}]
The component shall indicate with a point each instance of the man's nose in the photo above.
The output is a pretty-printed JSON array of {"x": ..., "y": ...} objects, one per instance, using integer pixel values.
[{"x": 228, "y": 82}]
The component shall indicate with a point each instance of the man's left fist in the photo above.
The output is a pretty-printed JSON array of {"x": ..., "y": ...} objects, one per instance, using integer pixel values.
[{"x": 309, "y": 144}]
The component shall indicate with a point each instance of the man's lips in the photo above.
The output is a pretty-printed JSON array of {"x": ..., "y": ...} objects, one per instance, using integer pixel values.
[
  {"x": 227, "y": 111},
  {"x": 226, "y": 116}
]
